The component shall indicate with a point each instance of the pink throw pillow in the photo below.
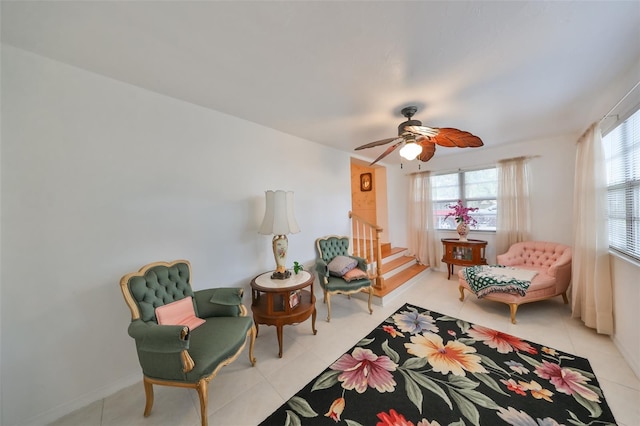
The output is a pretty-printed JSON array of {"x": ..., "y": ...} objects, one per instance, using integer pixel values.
[
  {"x": 179, "y": 312},
  {"x": 354, "y": 274}
]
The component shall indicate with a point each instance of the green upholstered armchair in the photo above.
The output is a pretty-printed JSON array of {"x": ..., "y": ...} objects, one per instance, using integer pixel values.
[
  {"x": 328, "y": 249},
  {"x": 175, "y": 355}
]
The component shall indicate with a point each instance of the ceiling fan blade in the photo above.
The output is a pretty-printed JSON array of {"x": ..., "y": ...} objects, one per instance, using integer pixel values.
[
  {"x": 428, "y": 149},
  {"x": 456, "y": 138},
  {"x": 388, "y": 151},
  {"x": 422, "y": 130},
  {"x": 378, "y": 143}
]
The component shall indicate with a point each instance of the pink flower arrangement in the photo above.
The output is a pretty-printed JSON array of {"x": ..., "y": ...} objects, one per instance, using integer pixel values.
[{"x": 461, "y": 213}]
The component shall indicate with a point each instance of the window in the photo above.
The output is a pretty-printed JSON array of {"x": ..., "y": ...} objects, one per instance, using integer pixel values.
[
  {"x": 622, "y": 156},
  {"x": 476, "y": 188}
]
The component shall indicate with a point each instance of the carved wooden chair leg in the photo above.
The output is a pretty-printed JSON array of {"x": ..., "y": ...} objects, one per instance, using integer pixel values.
[
  {"x": 328, "y": 299},
  {"x": 564, "y": 297},
  {"x": 148, "y": 391},
  {"x": 461, "y": 289},
  {"x": 254, "y": 334},
  {"x": 203, "y": 395},
  {"x": 370, "y": 294},
  {"x": 513, "y": 307}
]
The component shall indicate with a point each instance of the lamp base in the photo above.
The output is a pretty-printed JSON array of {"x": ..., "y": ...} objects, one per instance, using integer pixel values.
[
  {"x": 280, "y": 245},
  {"x": 277, "y": 275}
]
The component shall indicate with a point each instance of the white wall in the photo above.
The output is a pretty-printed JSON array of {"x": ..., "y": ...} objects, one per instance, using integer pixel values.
[
  {"x": 1, "y": 350},
  {"x": 626, "y": 299},
  {"x": 99, "y": 178},
  {"x": 624, "y": 272},
  {"x": 551, "y": 168}
]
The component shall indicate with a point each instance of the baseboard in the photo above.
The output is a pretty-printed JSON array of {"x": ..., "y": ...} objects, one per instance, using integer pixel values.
[
  {"x": 627, "y": 357},
  {"x": 60, "y": 411}
]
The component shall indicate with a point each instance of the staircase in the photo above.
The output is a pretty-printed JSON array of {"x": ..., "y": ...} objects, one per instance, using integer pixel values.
[
  {"x": 390, "y": 267},
  {"x": 398, "y": 268}
]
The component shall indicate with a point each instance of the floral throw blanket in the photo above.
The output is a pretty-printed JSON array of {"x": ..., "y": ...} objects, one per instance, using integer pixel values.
[
  {"x": 487, "y": 279},
  {"x": 422, "y": 368}
]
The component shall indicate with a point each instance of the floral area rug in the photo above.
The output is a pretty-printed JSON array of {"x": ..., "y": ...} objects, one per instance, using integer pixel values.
[{"x": 422, "y": 368}]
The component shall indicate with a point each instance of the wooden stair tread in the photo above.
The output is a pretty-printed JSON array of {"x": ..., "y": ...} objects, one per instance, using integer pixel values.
[
  {"x": 396, "y": 263},
  {"x": 391, "y": 251},
  {"x": 398, "y": 279},
  {"x": 400, "y": 269}
]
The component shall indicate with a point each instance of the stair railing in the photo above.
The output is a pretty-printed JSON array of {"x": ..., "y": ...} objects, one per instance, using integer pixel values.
[{"x": 365, "y": 242}]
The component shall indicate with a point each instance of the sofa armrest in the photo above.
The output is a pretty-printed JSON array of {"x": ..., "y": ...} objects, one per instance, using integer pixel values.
[
  {"x": 151, "y": 337},
  {"x": 322, "y": 268},
  {"x": 561, "y": 270},
  {"x": 219, "y": 302},
  {"x": 561, "y": 265},
  {"x": 162, "y": 349}
]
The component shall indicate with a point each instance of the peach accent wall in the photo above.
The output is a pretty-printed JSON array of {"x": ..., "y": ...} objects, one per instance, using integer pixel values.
[
  {"x": 363, "y": 202},
  {"x": 370, "y": 205},
  {"x": 382, "y": 215}
]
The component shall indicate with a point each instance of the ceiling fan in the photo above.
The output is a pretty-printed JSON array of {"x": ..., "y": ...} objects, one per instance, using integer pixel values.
[{"x": 420, "y": 142}]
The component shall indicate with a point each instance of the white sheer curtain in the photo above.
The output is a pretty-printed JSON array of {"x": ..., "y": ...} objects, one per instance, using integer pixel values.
[
  {"x": 513, "y": 215},
  {"x": 591, "y": 294},
  {"x": 423, "y": 243}
]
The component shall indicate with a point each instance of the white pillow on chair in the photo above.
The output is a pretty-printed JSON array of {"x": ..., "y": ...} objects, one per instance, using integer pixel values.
[{"x": 340, "y": 265}]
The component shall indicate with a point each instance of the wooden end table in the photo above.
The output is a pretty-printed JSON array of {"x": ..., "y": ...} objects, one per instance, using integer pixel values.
[
  {"x": 283, "y": 302},
  {"x": 462, "y": 253}
]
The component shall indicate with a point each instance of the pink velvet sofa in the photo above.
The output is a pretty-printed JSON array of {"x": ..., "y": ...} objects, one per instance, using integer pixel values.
[{"x": 552, "y": 261}]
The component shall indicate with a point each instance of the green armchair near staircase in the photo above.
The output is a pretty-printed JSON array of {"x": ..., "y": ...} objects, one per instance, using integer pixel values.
[
  {"x": 339, "y": 272},
  {"x": 184, "y": 337}
]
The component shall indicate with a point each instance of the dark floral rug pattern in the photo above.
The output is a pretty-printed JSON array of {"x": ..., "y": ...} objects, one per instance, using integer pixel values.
[{"x": 422, "y": 368}]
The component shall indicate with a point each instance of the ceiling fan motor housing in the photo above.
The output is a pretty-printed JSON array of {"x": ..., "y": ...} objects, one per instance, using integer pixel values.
[{"x": 401, "y": 127}]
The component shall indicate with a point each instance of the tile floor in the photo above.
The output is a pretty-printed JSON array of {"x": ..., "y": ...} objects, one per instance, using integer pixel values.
[{"x": 244, "y": 396}]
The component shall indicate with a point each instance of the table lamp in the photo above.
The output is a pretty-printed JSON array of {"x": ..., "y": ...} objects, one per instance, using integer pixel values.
[{"x": 279, "y": 221}]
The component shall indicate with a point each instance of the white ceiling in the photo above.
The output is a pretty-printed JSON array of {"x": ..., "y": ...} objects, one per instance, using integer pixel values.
[{"x": 338, "y": 73}]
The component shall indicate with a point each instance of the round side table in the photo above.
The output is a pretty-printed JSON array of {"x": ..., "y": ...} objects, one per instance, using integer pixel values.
[{"x": 283, "y": 302}]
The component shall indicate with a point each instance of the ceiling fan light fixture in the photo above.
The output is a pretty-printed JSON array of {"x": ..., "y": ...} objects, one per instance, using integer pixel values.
[
  {"x": 410, "y": 150},
  {"x": 410, "y": 130}
]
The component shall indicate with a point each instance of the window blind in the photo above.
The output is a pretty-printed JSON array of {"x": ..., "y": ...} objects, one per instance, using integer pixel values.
[
  {"x": 622, "y": 154},
  {"x": 475, "y": 188}
]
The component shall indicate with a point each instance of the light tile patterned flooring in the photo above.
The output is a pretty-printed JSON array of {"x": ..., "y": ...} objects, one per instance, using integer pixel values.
[{"x": 244, "y": 396}]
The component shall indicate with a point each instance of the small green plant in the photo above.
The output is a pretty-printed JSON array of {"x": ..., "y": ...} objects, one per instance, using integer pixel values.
[{"x": 297, "y": 267}]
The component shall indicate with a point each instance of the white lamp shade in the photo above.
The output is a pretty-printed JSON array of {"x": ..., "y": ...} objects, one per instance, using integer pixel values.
[
  {"x": 410, "y": 151},
  {"x": 278, "y": 215}
]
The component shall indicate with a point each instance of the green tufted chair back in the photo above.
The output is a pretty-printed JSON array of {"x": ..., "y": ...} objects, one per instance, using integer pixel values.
[
  {"x": 332, "y": 247},
  {"x": 161, "y": 284}
]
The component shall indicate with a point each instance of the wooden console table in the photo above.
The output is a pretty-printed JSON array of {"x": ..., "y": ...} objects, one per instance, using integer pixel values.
[
  {"x": 283, "y": 302},
  {"x": 462, "y": 253}
]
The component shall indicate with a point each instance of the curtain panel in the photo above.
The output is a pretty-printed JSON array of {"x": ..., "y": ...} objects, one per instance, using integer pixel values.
[
  {"x": 423, "y": 242},
  {"x": 591, "y": 290},
  {"x": 513, "y": 215}
]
